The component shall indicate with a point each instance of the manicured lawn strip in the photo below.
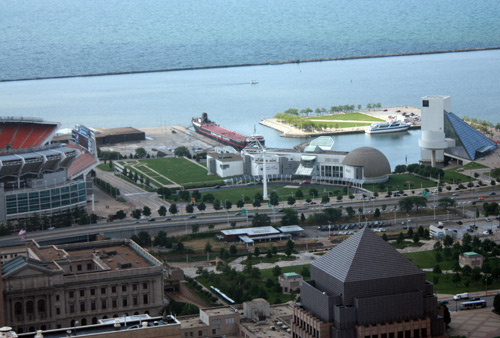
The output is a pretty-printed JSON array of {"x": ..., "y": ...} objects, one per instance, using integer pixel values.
[
  {"x": 349, "y": 116},
  {"x": 234, "y": 195},
  {"x": 474, "y": 165},
  {"x": 180, "y": 170},
  {"x": 405, "y": 244},
  {"x": 152, "y": 175},
  {"x": 400, "y": 181},
  {"x": 452, "y": 176},
  {"x": 340, "y": 124},
  {"x": 426, "y": 260},
  {"x": 105, "y": 167},
  {"x": 446, "y": 286}
]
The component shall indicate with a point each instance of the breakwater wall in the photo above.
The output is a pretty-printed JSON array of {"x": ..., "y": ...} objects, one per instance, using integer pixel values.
[{"x": 270, "y": 63}]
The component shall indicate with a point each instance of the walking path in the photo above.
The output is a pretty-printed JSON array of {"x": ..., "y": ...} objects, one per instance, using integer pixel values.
[{"x": 480, "y": 323}]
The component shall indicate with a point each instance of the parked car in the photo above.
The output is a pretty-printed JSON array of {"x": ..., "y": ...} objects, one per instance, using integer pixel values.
[
  {"x": 459, "y": 296},
  {"x": 493, "y": 193},
  {"x": 487, "y": 232},
  {"x": 443, "y": 302},
  {"x": 459, "y": 222},
  {"x": 192, "y": 216},
  {"x": 487, "y": 219},
  {"x": 475, "y": 298},
  {"x": 152, "y": 219}
]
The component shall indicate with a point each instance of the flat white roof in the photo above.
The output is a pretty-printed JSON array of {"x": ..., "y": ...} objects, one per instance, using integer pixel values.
[
  {"x": 290, "y": 228},
  {"x": 259, "y": 231}
]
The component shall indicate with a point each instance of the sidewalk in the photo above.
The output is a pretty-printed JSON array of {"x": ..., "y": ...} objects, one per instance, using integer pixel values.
[{"x": 480, "y": 323}]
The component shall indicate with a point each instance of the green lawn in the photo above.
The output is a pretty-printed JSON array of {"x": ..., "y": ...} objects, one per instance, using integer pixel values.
[
  {"x": 105, "y": 167},
  {"x": 178, "y": 170},
  {"x": 405, "y": 244},
  {"x": 236, "y": 194},
  {"x": 340, "y": 124},
  {"x": 474, "y": 165},
  {"x": 401, "y": 181},
  {"x": 426, "y": 260},
  {"x": 273, "y": 259},
  {"x": 349, "y": 116},
  {"x": 451, "y": 176}
]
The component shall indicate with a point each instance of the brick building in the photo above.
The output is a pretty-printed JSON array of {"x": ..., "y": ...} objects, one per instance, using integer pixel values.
[{"x": 365, "y": 288}]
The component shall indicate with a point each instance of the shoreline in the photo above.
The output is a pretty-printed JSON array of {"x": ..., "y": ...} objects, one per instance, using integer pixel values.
[
  {"x": 290, "y": 131},
  {"x": 269, "y": 63}
]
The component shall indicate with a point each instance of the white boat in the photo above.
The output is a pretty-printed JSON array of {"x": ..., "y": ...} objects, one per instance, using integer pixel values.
[{"x": 387, "y": 127}]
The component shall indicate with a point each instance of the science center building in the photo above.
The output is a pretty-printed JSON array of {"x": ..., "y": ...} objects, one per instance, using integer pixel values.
[{"x": 316, "y": 162}]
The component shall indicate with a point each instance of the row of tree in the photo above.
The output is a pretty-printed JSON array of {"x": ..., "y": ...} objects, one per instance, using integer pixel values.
[{"x": 107, "y": 187}]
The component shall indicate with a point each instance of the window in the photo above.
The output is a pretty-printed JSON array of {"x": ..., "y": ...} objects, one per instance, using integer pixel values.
[
  {"x": 89, "y": 266},
  {"x": 57, "y": 298},
  {"x": 71, "y": 308},
  {"x": 200, "y": 333},
  {"x": 124, "y": 288},
  {"x": 145, "y": 286},
  {"x": 92, "y": 292},
  {"x": 114, "y": 303},
  {"x": 214, "y": 331},
  {"x": 113, "y": 289},
  {"x": 134, "y": 301},
  {"x": 92, "y": 305},
  {"x": 71, "y": 294},
  {"x": 408, "y": 334},
  {"x": 424, "y": 333},
  {"x": 82, "y": 293},
  {"x": 58, "y": 311},
  {"x": 18, "y": 309},
  {"x": 30, "y": 309},
  {"x": 230, "y": 320},
  {"x": 425, "y": 103},
  {"x": 134, "y": 287},
  {"x": 82, "y": 307},
  {"x": 103, "y": 304},
  {"x": 41, "y": 306},
  {"x": 79, "y": 267},
  {"x": 145, "y": 299},
  {"x": 416, "y": 333},
  {"x": 124, "y": 301},
  {"x": 103, "y": 291}
]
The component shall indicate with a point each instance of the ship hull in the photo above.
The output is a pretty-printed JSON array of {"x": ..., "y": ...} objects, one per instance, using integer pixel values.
[
  {"x": 238, "y": 145},
  {"x": 386, "y": 130}
]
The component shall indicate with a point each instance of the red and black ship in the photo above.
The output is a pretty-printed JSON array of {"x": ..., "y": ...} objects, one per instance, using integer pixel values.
[{"x": 231, "y": 138}]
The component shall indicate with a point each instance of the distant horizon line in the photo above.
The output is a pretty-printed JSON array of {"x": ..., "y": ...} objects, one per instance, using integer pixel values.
[{"x": 269, "y": 63}]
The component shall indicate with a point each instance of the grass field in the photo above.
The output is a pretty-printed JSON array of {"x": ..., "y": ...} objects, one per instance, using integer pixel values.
[
  {"x": 341, "y": 124},
  {"x": 234, "y": 195},
  {"x": 349, "y": 116},
  {"x": 451, "y": 176},
  {"x": 474, "y": 165},
  {"x": 403, "y": 182},
  {"x": 164, "y": 171}
]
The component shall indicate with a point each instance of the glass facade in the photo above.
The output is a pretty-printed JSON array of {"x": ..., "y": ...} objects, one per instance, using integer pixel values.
[
  {"x": 46, "y": 199},
  {"x": 331, "y": 171}
]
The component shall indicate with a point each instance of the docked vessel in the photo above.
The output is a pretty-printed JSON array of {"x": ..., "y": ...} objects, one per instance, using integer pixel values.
[
  {"x": 228, "y": 137},
  {"x": 387, "y": 127}
]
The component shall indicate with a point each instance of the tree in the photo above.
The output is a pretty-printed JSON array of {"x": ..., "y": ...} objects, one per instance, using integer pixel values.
[
  {"x": 136, "y": 213},
  {"x": 339, "y": 198},
  {"x": 496, "y": 303},
  {"x": 140, "y": 152},
  {"x": 182, "y": 151},
  {"x": 376, "y": 214},
  {"x": 256, "y": 203},
  {"x": 216, "y": 205},
  {"x": 195, "y": 228},
  {"x": 416, "y": 238},
  {"x": 350, "y": 211},
  {"x": 409, "y": 233},
  {"x": 289, "y": 217},
  {"x": 290, "y": 244},
  {"x": 261, "y": 220},
  {"x": 437, "y": 269},
  {"x": 447, "y": 241},
  {"x": 456, "y": 278},
  {"x": 276, "y": 270},
  {"x": 400, "y": 238},
  {"x": 446, "y": 315},
  {"x": 146, "y": 211},
  {"x": 201, "y": 206},
  {"x": 274, "y": 199},
  {"x": 256, "y": 251},
  {"x": 162, "y": 211},
  {"x": 384, "y": 237},
  {"x": 173, "y": 209},
  {"x": 196, "y": 195},
  {"x": 189, "y": 208},
  {"x": 446, "y": 203},
  {"x": 438, "y": 257},
  {"x": 208, "y": 247},
  {"x": 228, "y": 205},
  {"x": 120, "y": 214},
  {"x": 240, "y": 204},
  {"x": 299, "y": 194},
  {"x": 291, "y": 200},
  {"x": 288, "y": 252},
  {"x": 406, "y": 203},
  {"x": 232, "y": 250},
  {"x": 325, "y": 199}
]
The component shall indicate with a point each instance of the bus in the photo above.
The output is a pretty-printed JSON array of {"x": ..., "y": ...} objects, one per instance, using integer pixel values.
[{"x": 476, "y": 304}]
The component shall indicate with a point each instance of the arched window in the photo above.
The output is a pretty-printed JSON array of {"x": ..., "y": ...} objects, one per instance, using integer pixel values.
[
  {"x": 43, "y": 327},
  {"x": 30, "y": 308},
  {"x": 136, "y": 313},
  {"x": 18, "y": 309},
  {"x": 115, "y": 316},
  {"x": 31, "y": 329},
  {"x": 94, "y": 320},
  {"x": 41, "y": 306},
  {"x": 105, "y": 317},
  {"x": 84, "y": 321},
  {"x": 20, "y": 330}
]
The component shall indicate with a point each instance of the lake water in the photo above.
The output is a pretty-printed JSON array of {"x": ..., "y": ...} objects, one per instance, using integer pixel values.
[
  {"x": 71, "y": 37},
  {"x": 172, "y": 98}
]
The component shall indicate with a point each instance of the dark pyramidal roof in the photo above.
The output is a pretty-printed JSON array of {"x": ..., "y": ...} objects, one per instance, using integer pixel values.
[{"x": 365, "y": 256}]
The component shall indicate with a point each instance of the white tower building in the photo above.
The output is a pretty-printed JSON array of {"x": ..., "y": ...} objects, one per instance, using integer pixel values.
[{"x": 432, "y": 140}]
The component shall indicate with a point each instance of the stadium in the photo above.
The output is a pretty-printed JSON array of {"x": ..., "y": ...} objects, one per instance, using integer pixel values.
[{"x": 38, "y": 177}]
